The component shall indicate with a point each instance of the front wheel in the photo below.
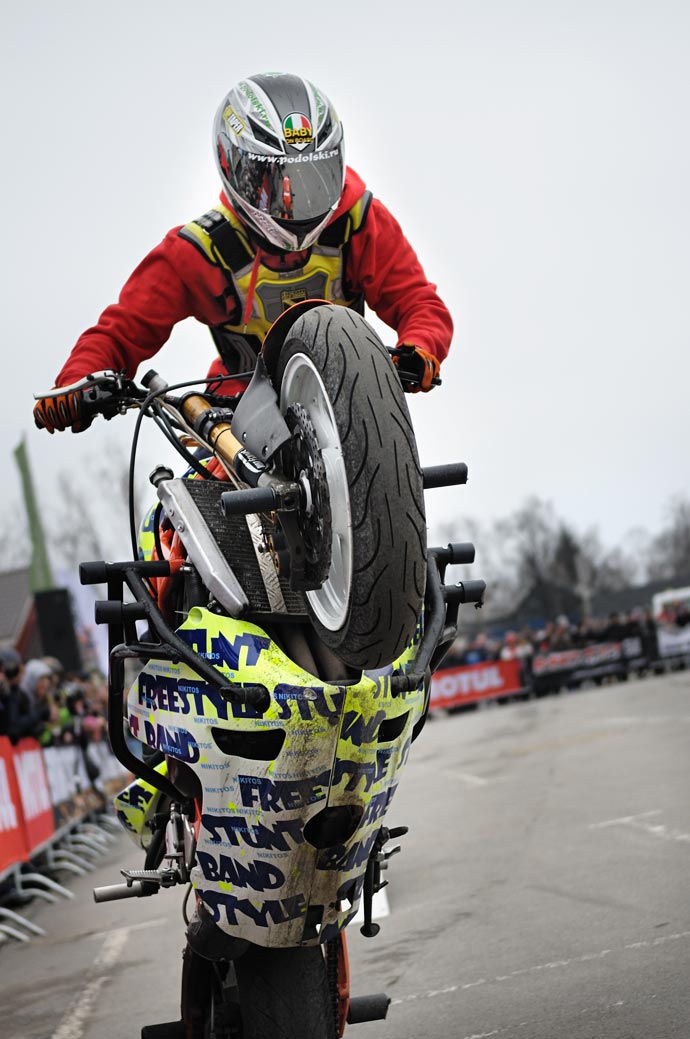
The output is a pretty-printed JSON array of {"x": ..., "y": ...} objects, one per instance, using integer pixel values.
[{"x": 354, "y": 449}]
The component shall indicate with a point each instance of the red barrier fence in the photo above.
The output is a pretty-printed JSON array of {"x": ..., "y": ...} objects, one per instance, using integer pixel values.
[
  {"x": 13, "y": 846},
  {"x": 34, "y": 793},
  {"x": 42, "y": 791},
  {"x": 491, "y": 680}
]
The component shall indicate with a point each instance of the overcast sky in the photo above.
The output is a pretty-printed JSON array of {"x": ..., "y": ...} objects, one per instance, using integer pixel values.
[{"x": 536, "y": 154}]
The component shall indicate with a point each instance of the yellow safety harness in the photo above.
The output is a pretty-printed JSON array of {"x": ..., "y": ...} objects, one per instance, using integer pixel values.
[{"x": 222, "y": 240}]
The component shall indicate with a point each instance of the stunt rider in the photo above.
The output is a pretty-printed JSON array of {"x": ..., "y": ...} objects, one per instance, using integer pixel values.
[{"x": 293, "y": 223}]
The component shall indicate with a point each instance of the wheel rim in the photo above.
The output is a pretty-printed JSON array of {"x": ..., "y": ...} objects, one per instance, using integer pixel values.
[{"x": 302, "y": 384}]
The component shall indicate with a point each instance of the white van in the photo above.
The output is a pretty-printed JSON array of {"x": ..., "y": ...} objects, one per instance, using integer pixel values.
[{"x": 668, "y": 597}]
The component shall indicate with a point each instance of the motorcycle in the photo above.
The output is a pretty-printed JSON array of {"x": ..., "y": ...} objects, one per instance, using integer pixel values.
[{"x": 282, "y": 616}]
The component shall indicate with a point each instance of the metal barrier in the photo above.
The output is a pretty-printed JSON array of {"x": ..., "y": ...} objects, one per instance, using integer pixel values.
[{"x": 52, "y": 820}]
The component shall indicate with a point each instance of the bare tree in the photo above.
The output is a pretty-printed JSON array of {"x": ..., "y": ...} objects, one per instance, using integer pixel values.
[
  {"x": 75, "y": 535},
  {"x": 532, "y": 553},
  {"x": 669, "y": 552},
  {"x": 92, "y": 515}
]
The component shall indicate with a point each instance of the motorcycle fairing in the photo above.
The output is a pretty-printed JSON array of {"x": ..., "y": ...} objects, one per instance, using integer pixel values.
[
  {"x": 135, "y": 807},
  {"x": 329, "y": 747}
]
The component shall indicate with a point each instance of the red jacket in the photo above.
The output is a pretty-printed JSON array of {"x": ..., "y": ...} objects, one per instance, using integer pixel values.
[{"x": 175, "y": 282}]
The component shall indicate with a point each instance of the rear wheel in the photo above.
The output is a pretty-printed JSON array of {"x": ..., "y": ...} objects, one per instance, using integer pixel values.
[
  {"x": 284, "y": 994},
  {"x": 354, "y": 450}
]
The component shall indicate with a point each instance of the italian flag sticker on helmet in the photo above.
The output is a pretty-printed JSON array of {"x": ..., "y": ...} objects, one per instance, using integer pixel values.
[{"x": 298, "y": 130}]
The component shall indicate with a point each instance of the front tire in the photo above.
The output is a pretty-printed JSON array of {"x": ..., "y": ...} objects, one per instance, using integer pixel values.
[{"x": 334, "y": 368}]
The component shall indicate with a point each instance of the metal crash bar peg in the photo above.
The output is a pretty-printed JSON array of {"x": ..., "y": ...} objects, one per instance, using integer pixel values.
[
  {"x": 449, "y": 475},
  {"x": 464, "y": 592}
]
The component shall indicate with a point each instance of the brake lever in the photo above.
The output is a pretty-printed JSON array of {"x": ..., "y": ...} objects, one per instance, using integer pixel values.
[
  {"x": 108, "y": 376},
  {"x": 107, "y": 393}
]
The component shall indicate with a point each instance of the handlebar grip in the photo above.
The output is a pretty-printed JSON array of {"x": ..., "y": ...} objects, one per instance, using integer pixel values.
[
  {"x": 444, "y": 475},
  {"x": 113, "y": 892},
  {"x": 245, "y": 502}
]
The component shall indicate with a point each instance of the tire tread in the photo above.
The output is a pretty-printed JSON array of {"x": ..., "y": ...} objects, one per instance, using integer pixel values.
[{"x": 385, "y": 481}]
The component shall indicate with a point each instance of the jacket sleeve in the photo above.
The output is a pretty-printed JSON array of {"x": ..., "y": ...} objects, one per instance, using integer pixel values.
[
  {"x": 383, "y": 265},
  {"x": 172, "y": 283}
]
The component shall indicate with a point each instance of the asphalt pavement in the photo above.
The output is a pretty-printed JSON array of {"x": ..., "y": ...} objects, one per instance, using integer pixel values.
[{"x": 543, "y": 891}]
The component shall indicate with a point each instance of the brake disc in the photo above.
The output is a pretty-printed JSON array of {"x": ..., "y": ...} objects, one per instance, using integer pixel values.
[{"x": 303, "y": 464}]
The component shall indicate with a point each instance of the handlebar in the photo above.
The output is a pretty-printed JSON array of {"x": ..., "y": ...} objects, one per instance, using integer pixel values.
[{"x": 109, "y": 393}]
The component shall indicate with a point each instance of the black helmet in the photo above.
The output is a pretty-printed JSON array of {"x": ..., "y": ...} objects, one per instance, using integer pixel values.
[{"x": 279, "y": 149}]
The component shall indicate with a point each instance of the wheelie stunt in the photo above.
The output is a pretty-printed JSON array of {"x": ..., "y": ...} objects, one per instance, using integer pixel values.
[{"x": 293, "y": 614}]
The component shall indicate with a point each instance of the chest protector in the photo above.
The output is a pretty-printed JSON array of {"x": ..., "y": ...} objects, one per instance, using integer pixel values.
[{"x": 222, "y": 240}]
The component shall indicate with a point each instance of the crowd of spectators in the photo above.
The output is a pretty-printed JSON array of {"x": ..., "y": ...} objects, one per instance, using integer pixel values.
[
  {"x": 562, "y": 634},
  {"x": 39, "y": 699}
]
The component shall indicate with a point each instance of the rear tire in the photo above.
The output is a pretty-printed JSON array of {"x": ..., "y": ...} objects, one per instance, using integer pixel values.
[
  {"x": 335, "y": 367},
  {"x": 284, "y": 994}
]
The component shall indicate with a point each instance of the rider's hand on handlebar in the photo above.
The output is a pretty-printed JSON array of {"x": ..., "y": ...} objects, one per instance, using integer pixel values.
[
  {"x": 414, "y": 361},
  {"x": 63, "y": 410}
]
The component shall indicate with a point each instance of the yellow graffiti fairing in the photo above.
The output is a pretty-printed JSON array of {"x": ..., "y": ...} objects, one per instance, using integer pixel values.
[
  {"x": 136, "y": 805},
  {"x": 291, "y": 800}
]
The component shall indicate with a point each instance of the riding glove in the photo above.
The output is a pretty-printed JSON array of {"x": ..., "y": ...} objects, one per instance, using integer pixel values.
[
  {"x": 53, "y": 413},
  {"x": 415, "y": 361}
]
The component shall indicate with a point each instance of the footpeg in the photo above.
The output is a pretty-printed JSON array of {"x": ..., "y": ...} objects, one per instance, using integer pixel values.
[{"x": 161, "y": 877}]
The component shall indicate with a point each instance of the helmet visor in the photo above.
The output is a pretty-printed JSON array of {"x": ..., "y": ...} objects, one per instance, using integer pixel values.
[{"x": 303, "y": 188}]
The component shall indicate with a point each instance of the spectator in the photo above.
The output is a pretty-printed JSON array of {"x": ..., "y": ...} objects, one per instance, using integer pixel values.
[
  {"x": 584, "y": 633},
  {"x": 477, "y": 651},
  {"x": 39, "y": 685},
  {"x": 524, "y": 648},
  {"x": 546, "y": 636},
  {"x": 615, "y": 630},
  {"x": 509, "y": 648},
  {"x": 37, "y": 681},
  {"x": 93, "y": 729},
  {"x": 561, "y": 637},
  {"x": 18, "y": 717}
]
